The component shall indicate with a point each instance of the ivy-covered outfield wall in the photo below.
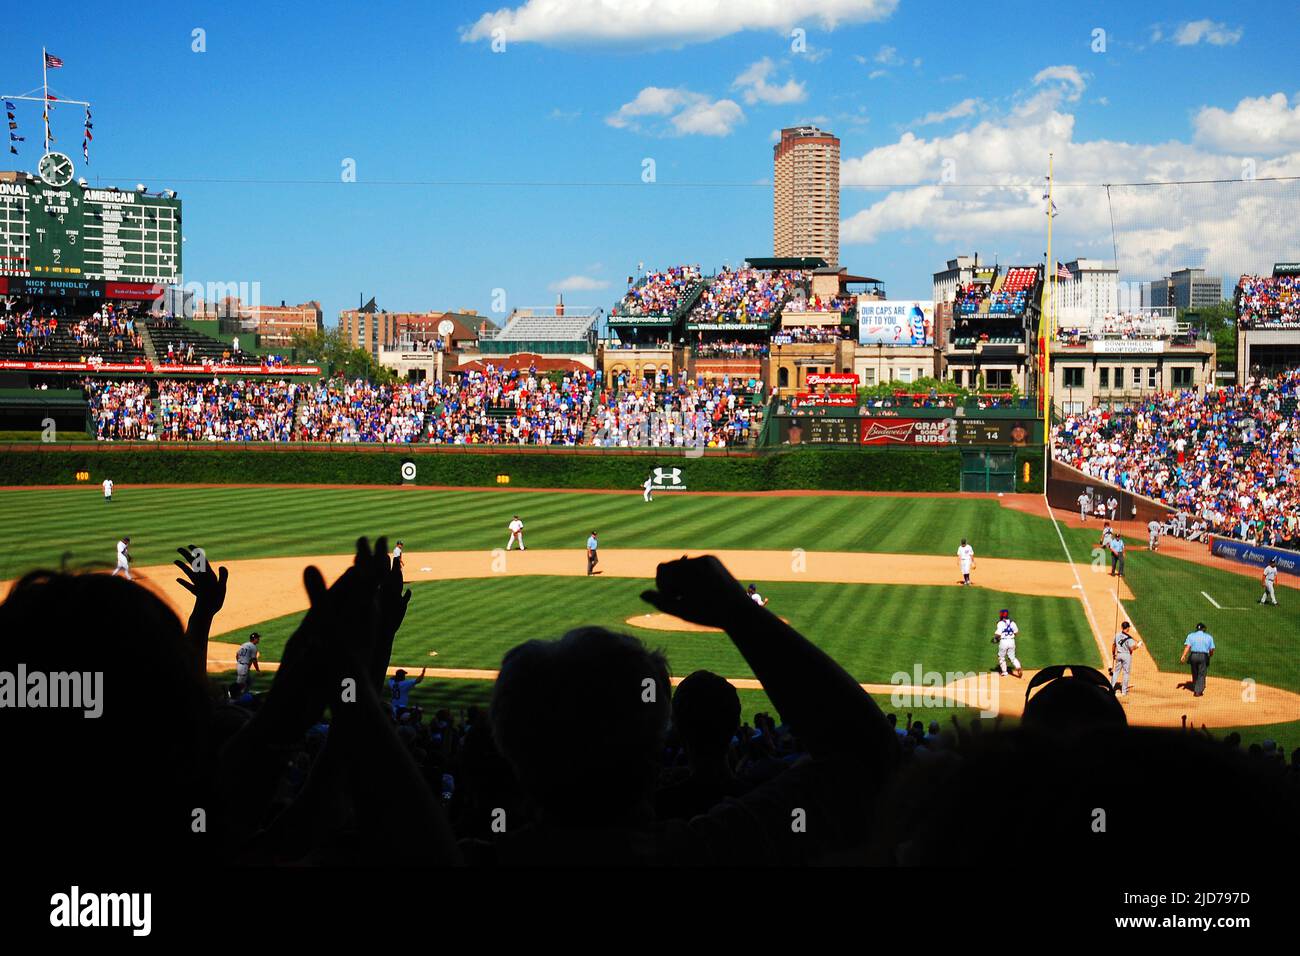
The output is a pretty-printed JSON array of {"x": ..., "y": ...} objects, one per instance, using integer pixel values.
[{"x": 852, "y": 469}]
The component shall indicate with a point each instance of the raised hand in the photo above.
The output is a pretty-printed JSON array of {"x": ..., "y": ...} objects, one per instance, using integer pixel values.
[
  {"x": 699, "y": 590},
  {"x": 209, "y": 590}
]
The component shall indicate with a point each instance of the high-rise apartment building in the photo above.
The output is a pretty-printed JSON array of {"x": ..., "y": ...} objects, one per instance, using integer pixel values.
[{"x": 806, "y": 194}]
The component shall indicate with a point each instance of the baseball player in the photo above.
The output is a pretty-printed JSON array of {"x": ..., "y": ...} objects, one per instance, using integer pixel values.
[
  {"x": 1153, "y": 535},
  {"x": 1107, "y": 532},
  {"x": 397, "y": 554},
  {"x": 1122, "y": 654},
  {"x": 755, "y": 596},
  {"x": 592, "y": 559},
  {"x": 1270, "y": 578},
  {"x": 108, "y": 490},
  {"x": 1112, "y": 506},
  {"x": 1084, "y": 502},
  {"x": 648, "y": 488},
  {"x": 516, "y": 533},
  {"x": 966, "y": 558},
  {"x": 1004, "y": 635},
  {"x": 245, "y": 658},
  {"x": 123, "y": 559}
]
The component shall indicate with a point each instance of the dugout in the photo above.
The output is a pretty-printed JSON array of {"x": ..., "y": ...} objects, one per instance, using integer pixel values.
[{"x": 29, "y": 409}]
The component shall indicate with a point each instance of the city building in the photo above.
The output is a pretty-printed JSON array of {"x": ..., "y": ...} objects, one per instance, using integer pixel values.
[
  {"x": 377, "y": 330},
  {"x": 1089, "y": 295},
  {"x": 806, "y": 194},
  {"x": 959, "y": 272},
  {"x": 1185, "y": 289},
  {"x": 274, "y": 325}
]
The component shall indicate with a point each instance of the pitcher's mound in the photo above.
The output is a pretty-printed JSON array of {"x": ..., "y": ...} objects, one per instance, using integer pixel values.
[{"x": 658, "y": 621}]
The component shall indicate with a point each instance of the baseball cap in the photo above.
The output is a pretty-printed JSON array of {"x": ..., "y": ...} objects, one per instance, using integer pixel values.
[
  {"x": 255, "y": 636},
  {"x": 1004, "y": 613}
]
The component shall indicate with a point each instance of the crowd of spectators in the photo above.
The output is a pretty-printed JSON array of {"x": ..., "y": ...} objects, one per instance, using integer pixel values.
[
  {"x": 658, "y": 293},
  {"x": 1230, "y": 457},
  {"x": 817, "y": 303},
  {"x": 222, "y": 411},
  {"x": 31, "y": 333},
  {"x": 702, "y": 415},
  {"x": 791, "y": 334},
  {"x": 1264, "y": 301},
  {"x": 587, "y": 768},
  {"x": 746, "y": 295},
  {"x": 1135, "y": 325},
  {"x": 732, "y": 349},
  {"x": 120, "y": 410}
]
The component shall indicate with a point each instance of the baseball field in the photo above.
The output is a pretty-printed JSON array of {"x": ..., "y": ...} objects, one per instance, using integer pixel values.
[{"x": 872, "y": 578}]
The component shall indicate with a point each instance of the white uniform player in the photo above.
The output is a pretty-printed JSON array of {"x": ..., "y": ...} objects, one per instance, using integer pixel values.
[
  {"x": 108, "y": 489},
  {"x": 648, "y": 485},
  {"x": 1270, "y": 578},
  {"x": 123, "y": 558},
  {"x": 966, "y": 558},
  {"x": 1153, "y": 535},
  {"x": 1005, "y": 634},
  {"x": 1084, "y": 502},
  {"x": 755, "y": 596},
  {"x": 397, "y": 554},
  {"x": 516, "y": 533}
]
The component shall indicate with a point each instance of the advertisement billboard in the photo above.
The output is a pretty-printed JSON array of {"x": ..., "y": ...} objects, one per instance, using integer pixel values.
[{"x": 895, "y": 322}]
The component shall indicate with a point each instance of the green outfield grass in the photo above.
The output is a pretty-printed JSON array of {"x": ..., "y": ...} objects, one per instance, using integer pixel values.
[
  {"x": 873, "y": 630},
  {"x": 44, "y": 524}
]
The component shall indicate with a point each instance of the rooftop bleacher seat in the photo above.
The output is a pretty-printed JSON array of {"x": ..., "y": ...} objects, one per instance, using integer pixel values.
[
  {"x": 63, "y": 347},
  {"x": 556, "y": 328},
  {"x": 180, "y": 337}
]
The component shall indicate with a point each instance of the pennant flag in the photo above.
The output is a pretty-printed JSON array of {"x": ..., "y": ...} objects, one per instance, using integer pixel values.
[
  {"x": 85, "y": 150},
  {"x": 50, "y": 96},
  {"x": 13, "y": 125},
  {"x": 9, "y": 105},
  {"x": 88, "y": 136},
  {"x": 17, "y": 139},
  {"x": 52, "y": 61},
  {"x": 14, "y": 150}
]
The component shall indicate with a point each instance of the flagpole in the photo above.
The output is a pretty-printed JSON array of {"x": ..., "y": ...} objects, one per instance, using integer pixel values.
[
  {"x": 45, "y": 93},
  {"x": 1046, "y": 322}
]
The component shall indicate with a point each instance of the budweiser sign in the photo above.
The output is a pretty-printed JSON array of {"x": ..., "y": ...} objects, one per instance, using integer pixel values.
[
  {"x": 839, "y": 378},
  {"x": 906, "y": 431}
]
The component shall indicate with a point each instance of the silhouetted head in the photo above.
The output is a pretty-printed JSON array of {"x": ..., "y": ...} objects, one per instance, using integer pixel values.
[
  {"x": 1067, "y": 703},
  {"x": 131, "y": 697},
  {"x": 706, "y": 713},
  {"x": 582, "y": 721}
]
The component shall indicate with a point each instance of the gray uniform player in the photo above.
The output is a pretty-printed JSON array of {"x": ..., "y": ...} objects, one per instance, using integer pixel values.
[
  {"x": 1122, "y": 653},
  {"x": 1153, "y": 535},
  {"x": 245, "y": 658},
  {"x": 1270, "y": 578}
]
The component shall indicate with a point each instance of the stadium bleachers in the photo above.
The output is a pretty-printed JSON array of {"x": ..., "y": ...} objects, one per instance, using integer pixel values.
[
  {"x": 173, "y": 343},
  {"x": 111, "y": 337},
  {"x": 524, "y": 327},
  {"x": 1268, "y": 301}
]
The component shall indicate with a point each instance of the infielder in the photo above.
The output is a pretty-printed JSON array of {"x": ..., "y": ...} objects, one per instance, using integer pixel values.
[
  {"x": 108, "y": 490},
  {"x": 1122, "y": 654},
  {"x": 756, "y": 597},
  {"x": 1107, "y": 532},
  {"x": 648, "y": 488},
  {"x": 1153, "y": 535},
  {"x": 1004, "y": 635},
  {"x": 1270, "y": 578},
  {"x": 516, "y": 533},
  {"x": 966, "y": 558},
  {"x": 1084, "y": 502},
  {"x": 397, "y": 554},
  {"x": 123, "y": 559},
  {"x": 245, "y": 658},
  {"x": 592, "y": 559}
]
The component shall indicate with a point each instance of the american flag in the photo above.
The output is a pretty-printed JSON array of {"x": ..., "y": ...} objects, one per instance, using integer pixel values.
[
  {"x": 52, "y": 61},
  {"x": 1063, "y": 273}
]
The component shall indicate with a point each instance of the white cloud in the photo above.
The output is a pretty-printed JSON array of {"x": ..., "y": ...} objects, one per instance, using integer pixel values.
[
  {"x": 1263, "y": 124},
  {"x": 1217, "y": 34},
  {"x": 660, "y": 23},
  {"x": 876, "y": 74},
  {"x": 578, "y": 283},
  {"x": 687, "y": 113},
  {"x": 888, "y": 55},
  {"x": 705, "y": 117},
  {"x": 758, "y": 90},
  {"x": 995, "y": 196},
  {"x": 967, "y": 107}
]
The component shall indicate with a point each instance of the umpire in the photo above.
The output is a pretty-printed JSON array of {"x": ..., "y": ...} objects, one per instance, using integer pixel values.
[{"x": 1197, "y": 650}]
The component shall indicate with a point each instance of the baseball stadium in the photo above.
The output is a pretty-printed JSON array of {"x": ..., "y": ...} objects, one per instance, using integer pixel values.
[{"x": 842, "y": 548}]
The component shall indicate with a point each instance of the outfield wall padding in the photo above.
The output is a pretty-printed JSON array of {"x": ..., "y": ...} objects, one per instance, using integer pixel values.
[{"x": 859, "y": 469}]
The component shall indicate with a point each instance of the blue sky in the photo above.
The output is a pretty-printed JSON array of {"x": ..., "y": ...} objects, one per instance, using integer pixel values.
[{"x": 547, "y": 138}]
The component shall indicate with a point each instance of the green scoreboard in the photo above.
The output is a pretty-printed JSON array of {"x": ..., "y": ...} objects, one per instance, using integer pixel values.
[{"x": 74, "y": 232}]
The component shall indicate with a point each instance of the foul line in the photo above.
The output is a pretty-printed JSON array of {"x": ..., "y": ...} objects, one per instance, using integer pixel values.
[
  {"x": 1083, "y": 593},
  {"x": 1211, "y": 600}
]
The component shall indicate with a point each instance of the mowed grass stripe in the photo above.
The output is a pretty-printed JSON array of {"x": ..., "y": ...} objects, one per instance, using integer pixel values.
[{"x": 874, "y": 631}]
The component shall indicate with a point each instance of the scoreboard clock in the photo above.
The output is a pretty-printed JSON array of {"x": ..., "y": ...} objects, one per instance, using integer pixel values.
[{"x": 54, "y": 228}]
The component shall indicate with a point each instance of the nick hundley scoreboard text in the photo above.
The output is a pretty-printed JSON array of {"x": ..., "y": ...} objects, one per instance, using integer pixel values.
[{"x": 76, "y": 232}]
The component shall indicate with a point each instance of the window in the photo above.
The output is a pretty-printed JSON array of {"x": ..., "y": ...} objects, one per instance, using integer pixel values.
[
  {"x": 999, "y": 378},
  {"x": 1105, "y": 377},
  {"x": 1072, "y": 408},
  {"x": 905, "y": 375},
  {"x": 1119, "y": 377},
  {"x": 1073, "y": 376},
  {"x": 1151, "y": 377},
  {"x": 1183, "y": 376},
  {"x": 868, "y": 376},
  {"x": 956, "y": 376}
]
